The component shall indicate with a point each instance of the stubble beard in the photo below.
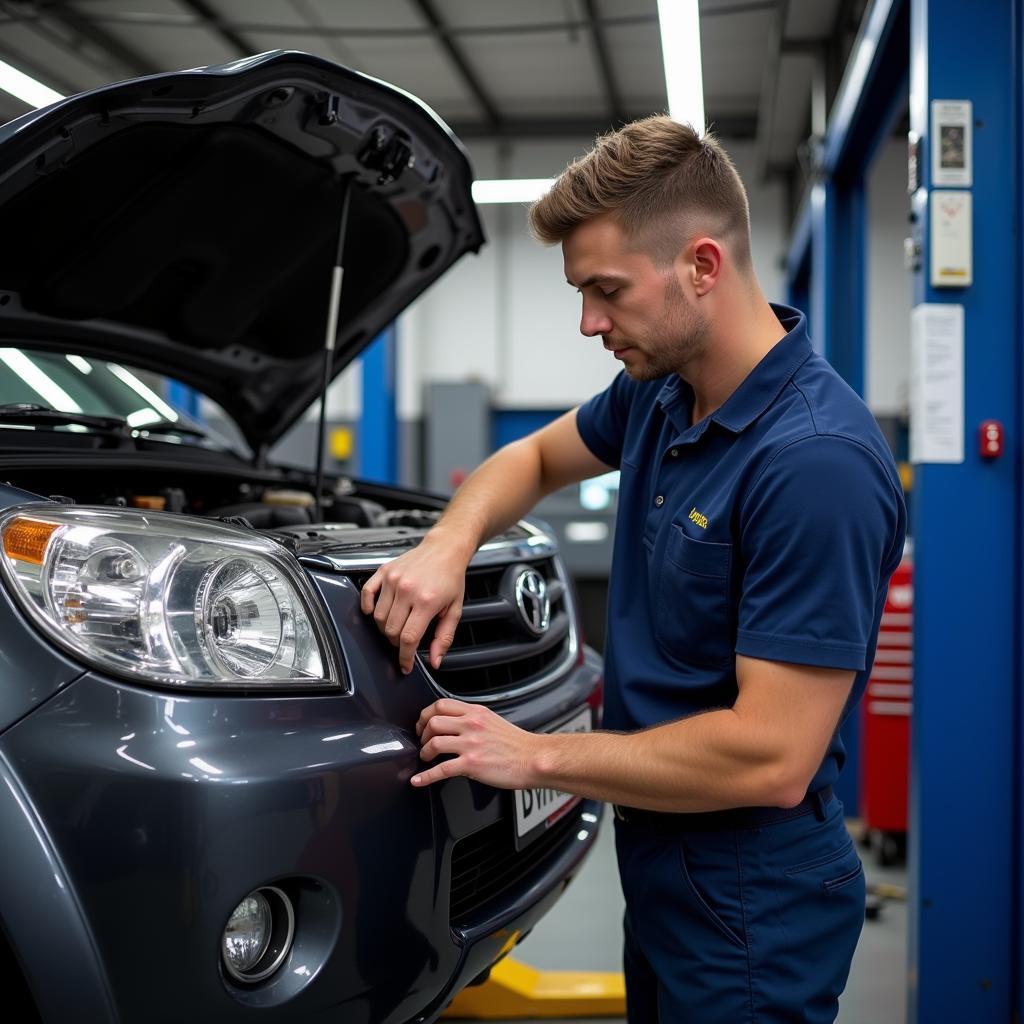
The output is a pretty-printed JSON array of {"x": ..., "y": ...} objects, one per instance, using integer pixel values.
[{"x": 676, "y": 340}]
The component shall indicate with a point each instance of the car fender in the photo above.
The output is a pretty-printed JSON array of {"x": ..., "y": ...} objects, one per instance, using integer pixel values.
[{"x": 42, "y": 919}]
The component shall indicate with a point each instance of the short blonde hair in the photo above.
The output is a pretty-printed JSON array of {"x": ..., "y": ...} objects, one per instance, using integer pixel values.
[{"x": 651, "y": 175}]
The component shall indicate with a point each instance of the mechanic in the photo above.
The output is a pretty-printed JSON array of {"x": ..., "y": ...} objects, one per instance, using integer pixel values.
[{"x": 760, "y": 517}]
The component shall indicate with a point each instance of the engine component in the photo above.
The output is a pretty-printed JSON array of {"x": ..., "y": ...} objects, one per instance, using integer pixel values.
[
  {"x": 265, "y": 516},
  {"x": 283, "y": 496},
  {"x": 418, "y": 518}
]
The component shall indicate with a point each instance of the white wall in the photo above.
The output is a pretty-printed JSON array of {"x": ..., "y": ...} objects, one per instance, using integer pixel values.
[
  {"x": 887, "y": 372},
  {"x": 507, "y": 317},
  {"x": 768, "y": 224}
]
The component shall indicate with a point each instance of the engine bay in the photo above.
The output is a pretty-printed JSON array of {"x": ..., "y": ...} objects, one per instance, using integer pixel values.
[{"x": 271, "y": 502}]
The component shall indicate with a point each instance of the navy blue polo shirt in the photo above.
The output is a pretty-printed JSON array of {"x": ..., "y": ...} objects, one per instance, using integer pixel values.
[{"x": 768, "y": 529}]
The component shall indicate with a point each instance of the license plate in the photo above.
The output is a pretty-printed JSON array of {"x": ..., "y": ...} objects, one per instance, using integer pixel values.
[{"x": 538, "y": 809}]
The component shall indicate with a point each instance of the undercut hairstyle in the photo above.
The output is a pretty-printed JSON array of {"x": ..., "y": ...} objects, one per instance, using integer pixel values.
[{"x": 661, "y": 181}]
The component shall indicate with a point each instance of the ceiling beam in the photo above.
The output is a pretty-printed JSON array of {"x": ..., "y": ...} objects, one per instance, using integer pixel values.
[
  {"x": 11, "y": 107},
  {"x": 769, "y": 89},
  {"x": 85, "y": 28},
  {"x": 840, "y": 43},
  {"x": 458, "y": 59},
  {"x": 604, "y": 64},
  {"x": 803, "y": 47},
  {"x": 36, "y": 71},
  {"x": 164, "y": 20},
  {"x": 733, "y": 126},
  {"x": 212, "y": 20}
]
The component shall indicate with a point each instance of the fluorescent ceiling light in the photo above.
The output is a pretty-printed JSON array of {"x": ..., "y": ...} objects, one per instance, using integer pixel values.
[
  {"x": 142, "y": 417},
  {"x": 28, "y": 90},
  {"x": 679, "y": 21},
  {"x": 147, "y": 394},
  {"x": 79, "y": 364},
  {"x": 511, "y": 190},
  {"x": 48, "y": 390}
]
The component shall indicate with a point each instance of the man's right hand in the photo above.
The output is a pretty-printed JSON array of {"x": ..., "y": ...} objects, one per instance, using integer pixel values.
[{"x": 407, "y": 593}]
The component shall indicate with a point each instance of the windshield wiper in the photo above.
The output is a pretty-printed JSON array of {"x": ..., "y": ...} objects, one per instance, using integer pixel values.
[
  {"x": 31, "y": 414},
  {"x": 170, "y": 428}
]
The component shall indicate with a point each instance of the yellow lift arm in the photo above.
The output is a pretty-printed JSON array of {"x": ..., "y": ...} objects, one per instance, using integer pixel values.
[{"x": 515, "y": 990}]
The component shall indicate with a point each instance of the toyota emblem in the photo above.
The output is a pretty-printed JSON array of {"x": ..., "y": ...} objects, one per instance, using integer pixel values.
[{"x": 532, "y": 600}]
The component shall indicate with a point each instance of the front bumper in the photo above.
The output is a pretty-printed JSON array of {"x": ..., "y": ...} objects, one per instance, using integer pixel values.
[{"x": 142, "y": 818}]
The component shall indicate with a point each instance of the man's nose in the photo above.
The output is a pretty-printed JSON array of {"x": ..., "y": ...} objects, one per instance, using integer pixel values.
[{"x": 593, "y": 323}]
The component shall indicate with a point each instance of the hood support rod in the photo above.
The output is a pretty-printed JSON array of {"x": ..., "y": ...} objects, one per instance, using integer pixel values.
[{"x": 329, "y": 341}]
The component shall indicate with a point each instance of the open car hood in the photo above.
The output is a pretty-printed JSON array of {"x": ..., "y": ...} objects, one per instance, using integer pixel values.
[{"x": 187, "y": 223}]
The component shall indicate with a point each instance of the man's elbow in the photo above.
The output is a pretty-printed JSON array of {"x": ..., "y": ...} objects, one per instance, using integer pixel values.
[
  {"x": 784, "y": 785},
  {"x": 791, "y": 796}
]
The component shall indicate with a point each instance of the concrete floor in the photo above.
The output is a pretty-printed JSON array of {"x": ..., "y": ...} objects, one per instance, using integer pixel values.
[{"x": 584, "y": 933}]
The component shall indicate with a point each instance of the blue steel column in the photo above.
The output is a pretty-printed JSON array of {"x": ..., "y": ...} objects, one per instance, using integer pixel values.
[
  {"x": 378, "y": 427},
  {"x": 870, "y": 99},
  {"x": 822, "y": 204},
  {"x": 845, "y": 337},
  {"x": 964, "y": 859},
  {"x": 838, "y": 231},
  {"x": 1017, "y": 427},
  {"x": 837, "y": 329},
  {"x": 837, "y": 311}
]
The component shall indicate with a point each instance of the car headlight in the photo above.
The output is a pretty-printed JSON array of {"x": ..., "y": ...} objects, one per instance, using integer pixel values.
[{"x": 167, "y": 598}]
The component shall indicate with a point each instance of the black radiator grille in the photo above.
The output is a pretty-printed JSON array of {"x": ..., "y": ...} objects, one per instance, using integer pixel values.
[
  {"x": 486, "y": 864},
  {"x": 494, "y": 652}
]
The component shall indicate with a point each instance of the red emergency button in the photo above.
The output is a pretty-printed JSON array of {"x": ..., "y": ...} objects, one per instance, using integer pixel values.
[{"x": 991, "y": 439}]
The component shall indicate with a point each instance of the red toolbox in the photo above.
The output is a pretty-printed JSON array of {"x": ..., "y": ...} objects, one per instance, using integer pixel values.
[{"x": 885, "y": 722}]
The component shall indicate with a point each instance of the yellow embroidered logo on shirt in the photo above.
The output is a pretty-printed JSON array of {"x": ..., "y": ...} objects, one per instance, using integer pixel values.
[{"x": 699, "y": 518}]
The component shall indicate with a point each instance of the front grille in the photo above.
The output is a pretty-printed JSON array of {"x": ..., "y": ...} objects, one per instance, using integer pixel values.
[
  {"x": 486, "y": 864},
  {"x": 494, "y": 652}
]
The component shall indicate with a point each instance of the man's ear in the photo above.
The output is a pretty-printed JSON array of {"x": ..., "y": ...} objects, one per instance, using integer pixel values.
[{"x": 705, "y": 264}]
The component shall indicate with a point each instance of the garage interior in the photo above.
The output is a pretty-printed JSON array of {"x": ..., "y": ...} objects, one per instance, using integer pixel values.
[{"x": 827, "y": 108}]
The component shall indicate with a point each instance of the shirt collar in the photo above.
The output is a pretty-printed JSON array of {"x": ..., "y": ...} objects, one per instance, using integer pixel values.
[{"x": 761, "y": 386}]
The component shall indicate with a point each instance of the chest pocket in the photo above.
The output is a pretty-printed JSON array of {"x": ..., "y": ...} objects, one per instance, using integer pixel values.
[{"x": 693, "y": 620}]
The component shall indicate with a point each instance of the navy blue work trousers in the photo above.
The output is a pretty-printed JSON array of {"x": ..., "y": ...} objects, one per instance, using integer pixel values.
[{"x": 737, "y": 927}]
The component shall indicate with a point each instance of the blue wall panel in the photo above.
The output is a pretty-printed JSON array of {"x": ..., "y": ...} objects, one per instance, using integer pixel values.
[{"x": 511, "y": 424}]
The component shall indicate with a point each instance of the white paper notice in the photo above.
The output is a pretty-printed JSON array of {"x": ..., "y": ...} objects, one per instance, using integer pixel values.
[
  {"x": 937, "y": 383},
  {"x": 951, "y": 238}
]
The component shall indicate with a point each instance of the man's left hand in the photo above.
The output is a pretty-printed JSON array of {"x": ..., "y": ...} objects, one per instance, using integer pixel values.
[{"x": 487, "y": 748}]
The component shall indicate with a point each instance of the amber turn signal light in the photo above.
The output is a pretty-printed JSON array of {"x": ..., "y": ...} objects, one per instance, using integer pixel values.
[{"x": 25, "y": 539}]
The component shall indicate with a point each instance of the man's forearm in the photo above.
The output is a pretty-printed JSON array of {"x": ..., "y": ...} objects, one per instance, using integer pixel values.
[
  {"x": 708, "y": 762},
  {"x": 494, "y": 496}
]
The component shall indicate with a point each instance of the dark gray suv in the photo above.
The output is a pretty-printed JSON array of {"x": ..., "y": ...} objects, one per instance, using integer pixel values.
[{"x": 205, "y": 747}]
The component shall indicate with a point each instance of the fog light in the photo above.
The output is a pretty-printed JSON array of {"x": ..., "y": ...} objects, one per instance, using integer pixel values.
[{"x": 258, "y": 935}]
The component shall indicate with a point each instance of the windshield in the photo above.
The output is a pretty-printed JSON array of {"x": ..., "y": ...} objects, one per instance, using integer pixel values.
[{"x": 82, "y": 384}]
